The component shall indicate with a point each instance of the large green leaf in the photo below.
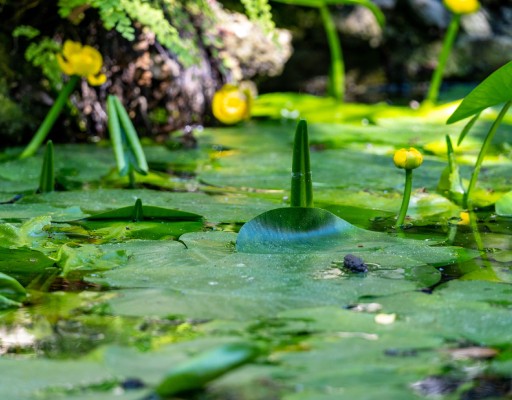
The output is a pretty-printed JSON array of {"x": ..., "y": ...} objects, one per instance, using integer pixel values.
[{"x": 494, "y": 90}]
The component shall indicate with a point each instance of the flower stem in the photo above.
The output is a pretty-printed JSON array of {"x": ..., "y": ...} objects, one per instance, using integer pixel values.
[
  {"x": 437, "y": 78},
  {"x": 50, "y": 118},
  {"x": 405, "y": 200},
  {"x": 337, "y": 73},
  {"x": 467, "y": 203}
]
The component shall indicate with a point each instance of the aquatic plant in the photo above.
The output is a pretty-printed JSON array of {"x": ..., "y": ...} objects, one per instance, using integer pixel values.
[
  {"x": 407, "y": 159},
  {"x": 337, "y": 68},
  {"x": 458, "y": 8},
  {"x": 77, "y": 61},
  {"x": 494, "y": 90},
  {"x": 125, "y": 142},
  {"x": 47, "y": 178}
]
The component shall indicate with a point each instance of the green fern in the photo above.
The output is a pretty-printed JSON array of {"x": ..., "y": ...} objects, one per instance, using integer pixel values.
[{"x": 122, "y": 14}]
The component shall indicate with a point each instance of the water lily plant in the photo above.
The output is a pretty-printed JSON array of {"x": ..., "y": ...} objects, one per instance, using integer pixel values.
[
  {"x": 458, "y": 8},
  {"x": 494, "y": 90},
  {"x": 78, "y": 61},
  {"x": 407, "y": 159},
  {"x": 231, "y": 104}
]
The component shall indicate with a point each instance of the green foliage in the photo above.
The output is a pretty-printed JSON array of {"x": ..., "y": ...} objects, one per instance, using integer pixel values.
[
  {"x": 41, "y": 53},
  {"x": 25, "y": 31},
  {"x": 495, "y": 89},
  {"x": 122, "y": 14},
  {"x": 260, "y": 11}
]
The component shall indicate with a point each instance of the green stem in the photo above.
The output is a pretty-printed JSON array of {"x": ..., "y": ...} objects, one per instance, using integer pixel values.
[
  {"x": 405, "y": 200},
  {"x": 337, "y": 73},
  {"x": 483, "y": 151},
  {"x": 50, "y": 118},
  {"x": 437, "y": 78}
]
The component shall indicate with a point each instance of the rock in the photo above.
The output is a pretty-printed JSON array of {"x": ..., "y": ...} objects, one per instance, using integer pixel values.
[
  {"x": 360, "y": 23},
  {"x": 430, "y": 12}
]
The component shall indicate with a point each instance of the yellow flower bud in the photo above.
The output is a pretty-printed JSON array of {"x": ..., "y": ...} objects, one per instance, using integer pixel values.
[
  {"x": 231, "y": 104},
  {"x": 81, "y": 60},
  {"x": 462, "y": 6},
  {"x": 408, "y": 158}
]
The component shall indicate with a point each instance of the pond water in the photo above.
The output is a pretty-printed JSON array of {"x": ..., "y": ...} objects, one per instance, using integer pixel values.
[{"x": 114, "y": 305}]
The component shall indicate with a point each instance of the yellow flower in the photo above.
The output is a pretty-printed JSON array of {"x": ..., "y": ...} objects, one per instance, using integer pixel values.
[
  {"x": 231, "y": 104},
  {"x": 464, "y": 218},
  {"x": 408, "y": 158},
  {"x": 83, "y": 61},
  {"x": 462, "y": 6}
]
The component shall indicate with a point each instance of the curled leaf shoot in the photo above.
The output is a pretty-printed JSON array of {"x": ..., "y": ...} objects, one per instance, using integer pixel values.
[
  {"x": 302, "y": 183},
  {"x": 114, "y": 129},
  {"x": 140, "y": 164},
  {"x": 47, "y": 178}
]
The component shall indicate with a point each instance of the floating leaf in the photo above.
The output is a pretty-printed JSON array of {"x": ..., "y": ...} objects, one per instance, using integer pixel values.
[
  {"x": 139, "y": 212},
  {"x": 144, "y": 222}
]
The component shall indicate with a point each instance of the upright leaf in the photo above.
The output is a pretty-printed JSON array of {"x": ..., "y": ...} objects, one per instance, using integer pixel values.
[
  {"x": 47, "y": 179},
  {"x": 494, "y": 90}
]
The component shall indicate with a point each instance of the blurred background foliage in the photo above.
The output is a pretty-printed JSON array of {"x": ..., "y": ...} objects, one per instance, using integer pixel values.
[{"x": 165, "y": 59}]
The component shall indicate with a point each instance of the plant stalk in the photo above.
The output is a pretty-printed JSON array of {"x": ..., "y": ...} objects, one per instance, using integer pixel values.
[
  {"x": 437, "y": 78},
  {"x": 50, "y": 118},
  {"x": 337, "y": 73},
  {"x": 467, "y": 203},
  {"x": 406, "y": 198}
]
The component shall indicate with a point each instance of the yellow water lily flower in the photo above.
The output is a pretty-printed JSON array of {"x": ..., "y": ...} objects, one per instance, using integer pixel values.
[
  {"x": 408, "y": 158},
  {"x": 231, "y": 104},
  {"x": 462, "y": 6},
  {"x": 83, "y": 61}
]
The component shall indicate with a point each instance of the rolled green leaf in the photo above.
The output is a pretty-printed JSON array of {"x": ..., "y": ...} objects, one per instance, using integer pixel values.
[
  {"x": 47, "y": 178},
  {"x": 114, "y": 129},
  {"x": 140, "y": 165},
  {"x": 202, "y": 369},
  {"x": 302, "y": 184}
]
